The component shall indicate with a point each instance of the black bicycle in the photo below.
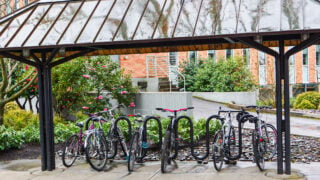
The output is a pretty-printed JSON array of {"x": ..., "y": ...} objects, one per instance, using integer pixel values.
[
  {"x": 170, "y": 142},
  {"x": 264, "y": 138},
  {"x": 226, "y": 142}
]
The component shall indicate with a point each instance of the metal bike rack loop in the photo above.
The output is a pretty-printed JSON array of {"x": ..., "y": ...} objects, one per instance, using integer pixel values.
[{"x": 145, "y": 132}]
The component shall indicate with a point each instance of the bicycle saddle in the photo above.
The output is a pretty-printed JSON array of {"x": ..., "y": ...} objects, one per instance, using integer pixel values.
[{"x": 80, "y": 125}]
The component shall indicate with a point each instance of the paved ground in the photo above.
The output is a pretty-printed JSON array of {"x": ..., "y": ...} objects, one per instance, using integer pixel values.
[
  {"x": 30, "y": 169},
  {"x": 299, "y": 126}
]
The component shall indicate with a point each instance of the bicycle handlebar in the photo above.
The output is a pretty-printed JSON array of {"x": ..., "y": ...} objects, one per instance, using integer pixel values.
[
  {"x": 258, "y": 107},
  {"x": 177, "y": 110}
]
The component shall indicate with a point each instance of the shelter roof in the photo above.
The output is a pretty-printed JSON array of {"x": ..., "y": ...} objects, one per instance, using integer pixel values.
[{"x": 141, "y": 26}]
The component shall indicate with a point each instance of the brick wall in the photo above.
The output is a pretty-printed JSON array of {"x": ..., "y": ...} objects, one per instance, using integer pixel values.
[{"x": 136, "y": 64}]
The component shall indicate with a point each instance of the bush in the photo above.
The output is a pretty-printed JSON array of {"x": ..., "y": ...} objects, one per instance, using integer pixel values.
[
  {"x": 312, "y": 97},
  {"x": 11, "y": 106},
  {"x": 63, "y": 131},
  {"x": 31, "y": 134},
  {"x": 229, "y": 75},
  {"x": 19, "y": 119},
  {"x": 9, "y": 138},
  {"x": 305, "y": 104}
]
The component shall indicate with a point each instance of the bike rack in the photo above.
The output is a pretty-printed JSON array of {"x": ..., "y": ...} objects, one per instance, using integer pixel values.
[
  {"x": 144, "y": 135},
  {"x": 191, "y": 136},
  {"x": 128, "y": 122},
  {"x": 129, "y": 129}
]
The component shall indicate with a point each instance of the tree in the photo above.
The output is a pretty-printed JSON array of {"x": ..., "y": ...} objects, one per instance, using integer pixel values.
[
  {"x": 224, "y": 76},
  {"x": 80, "y": 84},
  {"x": 15, "y": 79}
]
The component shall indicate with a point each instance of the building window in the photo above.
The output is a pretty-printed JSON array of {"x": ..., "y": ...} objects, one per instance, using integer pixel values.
[
  {"x": 262, "y": 68},
  {"x": 16, "y": 4},
  {"x": 318, "y": 55},
  {"x": 212, "y": 55},
  {"x": 173, "y": 56},
  {"x": 305, "y": 67},
  {"x": 192, "y": 55},
  {"x": 305, "y": 56},
  {"x": 246, "y": 56},
  {"x": 229, "y": 53},
  {"x": 318, "y": 62},
  {"x": 26, "y": 2},
  {"x": 8, "y": 8},
  {"x": 292, "y": 68}
]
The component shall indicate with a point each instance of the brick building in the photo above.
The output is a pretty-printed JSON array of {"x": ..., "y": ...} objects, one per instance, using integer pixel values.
[{"x": 304, "y": 66}]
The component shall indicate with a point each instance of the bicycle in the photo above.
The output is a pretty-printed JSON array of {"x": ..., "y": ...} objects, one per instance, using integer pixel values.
[
  {"x": 138, "y": 143},
  {"x": 115, "y": 135},
  {"x": 170, "y": 140},
  {"x": 74, "y": 146},
  {"x": 264, "y": 138},
  {"x": 96, "y": 145},
  {"x": 225, "y": 146}
]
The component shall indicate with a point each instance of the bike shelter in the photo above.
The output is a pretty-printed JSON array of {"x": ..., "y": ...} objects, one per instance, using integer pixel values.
[{"x": 46, "y": 33}]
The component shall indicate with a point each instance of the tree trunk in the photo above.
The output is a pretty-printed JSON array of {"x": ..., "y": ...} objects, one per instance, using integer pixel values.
[{"x": 1, "y": 113}]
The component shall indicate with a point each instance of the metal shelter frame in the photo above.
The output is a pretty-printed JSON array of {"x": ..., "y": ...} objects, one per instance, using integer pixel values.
[{"x": 200, "y": 37}]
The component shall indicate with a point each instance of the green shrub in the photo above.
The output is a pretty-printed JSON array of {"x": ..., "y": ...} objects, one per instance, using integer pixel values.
[
  {"x": 31, "y": 134},
  {"x": 63, "y": 131},
  {"x": 305, "y": 104},
  {"x": 9, "y": 138},
  {"x": 312, "y": 97},
  {"x": 19, "y": 119},
  {"x": 229, "y": 75}
]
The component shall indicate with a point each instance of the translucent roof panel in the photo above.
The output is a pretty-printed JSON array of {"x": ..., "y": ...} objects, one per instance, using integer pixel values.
[
  {"x": 114, "y": 20},
  {"x": 149, "y": 20},
  {"x": 82, "y": 23},
  {"x": 188, "y": 19},
  {"x": 14, "y": 25},
  {"x": 42, "y": 29},
  {"x": 61, "y": 24},
  {"x": 168, "y": 19},
  {"x": 28, "y": 27},
  {"x": 292, "y": 15},
  {"x": 96, "y": 21}
]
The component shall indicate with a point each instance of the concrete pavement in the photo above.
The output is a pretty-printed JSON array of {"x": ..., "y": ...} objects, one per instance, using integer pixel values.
[{"x": 30, "y": 169}]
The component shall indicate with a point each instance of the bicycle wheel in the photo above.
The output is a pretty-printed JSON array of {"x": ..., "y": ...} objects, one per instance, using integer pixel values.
[
  {"x": 269, "y": 133},
  {"x": 232, "y": 148},
  {"x": 259, "y": 149},
  {"x": 70, "y": 151},
  {"x": 218, "y": 154},
  {"x": 133, "y": 152},
  {"x": 165, "y": 152},
  {"x": 97, "y": 151}
]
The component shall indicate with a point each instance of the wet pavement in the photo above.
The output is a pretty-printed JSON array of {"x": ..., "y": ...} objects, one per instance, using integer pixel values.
[
  {"x": 30, "y": 169},
  {"x": 299, "y": 125}
]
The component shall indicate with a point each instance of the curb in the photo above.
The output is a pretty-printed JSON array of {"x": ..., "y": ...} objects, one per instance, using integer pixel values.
[{"x": 271, "y": 111}]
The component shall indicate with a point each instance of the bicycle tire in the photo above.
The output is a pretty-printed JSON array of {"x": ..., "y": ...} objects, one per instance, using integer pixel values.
[
  {"x": 97, "y": 149},
  {"x": 232, "y": 146},
  {"x": 258, "y": 151},
  {"x": 72, "y": 144},
  {"x": 165, "y": 152},
  {"x": 217, "y": 150},
  {"x": 270, "y": 134},
  {"x": 132, "y": 157}
]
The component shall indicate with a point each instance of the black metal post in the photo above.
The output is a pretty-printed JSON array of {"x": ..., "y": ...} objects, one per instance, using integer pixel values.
[
  {"x": 46, "y": 116},
  {"x": 42, "y": 120},
  {"x": 279, "y": 107},
  {"x": 287, "y": 117}
]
